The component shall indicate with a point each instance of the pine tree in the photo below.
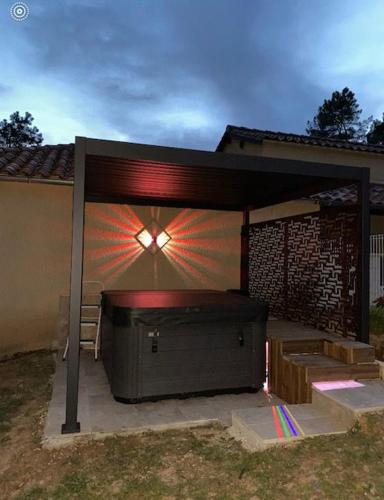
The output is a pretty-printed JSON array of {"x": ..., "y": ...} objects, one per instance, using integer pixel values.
[
  {"x": 338, "y": 118},
  {"x": 376, "y": 132},
  {"x": 19, "y": 132}
]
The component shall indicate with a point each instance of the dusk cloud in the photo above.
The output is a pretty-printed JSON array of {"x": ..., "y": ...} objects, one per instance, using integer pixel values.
[{"x": 175, "y": 72}]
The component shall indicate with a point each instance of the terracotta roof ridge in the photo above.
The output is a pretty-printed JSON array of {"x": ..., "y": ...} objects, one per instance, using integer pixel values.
[{"x": 260, "y": 134}]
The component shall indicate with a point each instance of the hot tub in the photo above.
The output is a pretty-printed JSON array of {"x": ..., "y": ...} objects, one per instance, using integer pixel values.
[{"x": 173, "y": 343}]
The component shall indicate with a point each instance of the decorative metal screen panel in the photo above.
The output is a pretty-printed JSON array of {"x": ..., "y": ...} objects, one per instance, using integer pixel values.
[{"x": 305, "y": 267}]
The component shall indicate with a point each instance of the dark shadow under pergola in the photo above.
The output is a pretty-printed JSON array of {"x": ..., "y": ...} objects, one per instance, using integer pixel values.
[{"x": 128, "y": 173}]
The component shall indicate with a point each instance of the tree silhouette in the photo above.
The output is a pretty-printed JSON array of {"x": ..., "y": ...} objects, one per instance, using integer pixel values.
[
  {"x": 19, "y": 132},
  {"x": 376, "y": 132},
  {"x": 338, "y": 118}
]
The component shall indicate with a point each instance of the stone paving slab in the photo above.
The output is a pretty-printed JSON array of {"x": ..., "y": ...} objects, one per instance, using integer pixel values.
[
  {"x": 260, "y": 428},
  {"x": 369, "y": 397},
  {"x": 100, "y": 414}
]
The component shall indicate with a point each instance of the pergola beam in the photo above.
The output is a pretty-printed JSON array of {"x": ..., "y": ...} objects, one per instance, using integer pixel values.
[
  {"x": 192, "y": 157},
  {"x": 73, "y": 359},
  {"x": 244, "y": 258},
  {"x": 363, "y": 275}
]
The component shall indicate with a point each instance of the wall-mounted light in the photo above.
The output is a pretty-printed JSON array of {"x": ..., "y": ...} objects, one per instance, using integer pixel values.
[{"x": 153, "y": 237}]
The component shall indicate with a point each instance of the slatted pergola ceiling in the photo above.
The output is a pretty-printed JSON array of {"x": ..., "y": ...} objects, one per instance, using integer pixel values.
[{"x": 193, "y": 183}]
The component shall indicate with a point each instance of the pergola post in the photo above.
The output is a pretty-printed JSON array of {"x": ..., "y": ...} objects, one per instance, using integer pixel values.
[
  {"x": 244, "y": 263},
  {"x": 364, "y": 234},
  {"x": 73, "y": 358}
]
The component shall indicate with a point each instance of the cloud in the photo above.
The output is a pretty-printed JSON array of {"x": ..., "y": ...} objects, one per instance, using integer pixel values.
[{"x": 173, "y": 72}]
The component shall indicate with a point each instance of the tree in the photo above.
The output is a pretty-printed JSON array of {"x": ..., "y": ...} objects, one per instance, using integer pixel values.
[
  {"x": 376, "y": 132},
  {"x": 19, "y": 132},
  {"x": 338, "y": 118}
]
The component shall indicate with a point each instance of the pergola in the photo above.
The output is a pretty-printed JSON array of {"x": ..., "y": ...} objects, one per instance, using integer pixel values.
[{"x": 128, "y": 173}]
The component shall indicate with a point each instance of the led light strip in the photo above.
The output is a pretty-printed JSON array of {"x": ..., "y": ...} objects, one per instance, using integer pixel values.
[
  {"x": 300, "y": 429},
  {"x": 278, "y": 428},
  {"x": 285, "y": 423}
]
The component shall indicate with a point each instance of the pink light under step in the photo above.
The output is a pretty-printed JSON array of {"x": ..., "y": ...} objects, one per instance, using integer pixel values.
[{"x": 337, "y": 384}]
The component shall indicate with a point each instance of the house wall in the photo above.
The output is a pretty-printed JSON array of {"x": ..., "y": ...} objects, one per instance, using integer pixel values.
[
  {"x": 321, "y": 154},
  {"x": 35, "y": 225},
  {"x": 377, "y": 224},
  {"x": 204, "y": 250}
]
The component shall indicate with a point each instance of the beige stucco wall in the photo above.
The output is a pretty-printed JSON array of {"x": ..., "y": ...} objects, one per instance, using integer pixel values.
[
  {"x": 320, "y": 154},
  {"x": 35, "y": 225},
  {"x": 35, "y": 229},
  {"x": 204, "y": 251},
  {"x": 377, "y": 224},
  {"x": 288, "y": 209}
]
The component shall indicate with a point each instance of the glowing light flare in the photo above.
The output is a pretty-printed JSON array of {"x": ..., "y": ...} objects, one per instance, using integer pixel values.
[
  {"x": 153, "y": 237},
  {"x": 145, "y": 238},
  {"x": 208, "y": 245},
  {"x": 111, "y": 250},
  {"x": 162, "y": 239},
  {"x": 97, "y": 234},
  {"x": 127, "y": 215},
  {"x": 189, "y": 267},
  {"x": 123, "y": 259},
  {"x": 122, "y": 267},
  {"x": 204, "y": 262},
  {"x": 110, "y": 220},
  {"x": 184, "y": 218},
  {"x": 189, "y": 222},
  {"x": 332, "y": 385},
  {"x": 197, "y": 243}
]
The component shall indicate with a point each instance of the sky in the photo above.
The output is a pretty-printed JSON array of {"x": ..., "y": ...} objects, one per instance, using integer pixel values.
[{"x": 176, "y": 72}]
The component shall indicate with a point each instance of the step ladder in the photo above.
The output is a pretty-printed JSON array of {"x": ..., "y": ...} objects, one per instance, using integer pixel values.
[{"x": 90, "y": 318}]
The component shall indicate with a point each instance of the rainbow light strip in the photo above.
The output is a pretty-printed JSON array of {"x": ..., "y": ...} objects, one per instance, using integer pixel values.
[
  {"x": 276, "y": 419},
  {"x": 285, "y": 424}
]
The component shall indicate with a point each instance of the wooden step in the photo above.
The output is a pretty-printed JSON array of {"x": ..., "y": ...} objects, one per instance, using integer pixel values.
[
  {"x": 350, "y": 352},
  {"x": 89, "y": 313},
  {"x": 88, "y": 331},
  {"x": 91, "y": 299},
  {"x": 301, "y": 370},
  {"x": 303, "y": 346}
]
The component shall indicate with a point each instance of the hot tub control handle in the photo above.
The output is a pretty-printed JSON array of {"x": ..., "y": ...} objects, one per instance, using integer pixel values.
[
  {"x": 154, "y": 334},
  {"x": 154, "y": 344}
]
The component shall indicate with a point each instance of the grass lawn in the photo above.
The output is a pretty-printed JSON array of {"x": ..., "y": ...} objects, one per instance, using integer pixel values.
[{"x": 197, "y": 464}]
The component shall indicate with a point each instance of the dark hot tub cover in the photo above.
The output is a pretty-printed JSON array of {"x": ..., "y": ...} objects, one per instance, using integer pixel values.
[{"x": 165, "y": 343}]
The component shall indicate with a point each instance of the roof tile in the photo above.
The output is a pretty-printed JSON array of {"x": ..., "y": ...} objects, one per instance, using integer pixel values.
[
  {"x": 47, "y": 162},
  {"x": 257, "y": 135}
]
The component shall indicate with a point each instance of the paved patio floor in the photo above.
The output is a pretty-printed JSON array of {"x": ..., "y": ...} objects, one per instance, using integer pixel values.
[{"x": 99, "y": 413}]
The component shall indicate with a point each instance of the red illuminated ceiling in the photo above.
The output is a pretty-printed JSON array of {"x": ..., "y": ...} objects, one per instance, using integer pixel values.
[{"x": 117, "y": 180}]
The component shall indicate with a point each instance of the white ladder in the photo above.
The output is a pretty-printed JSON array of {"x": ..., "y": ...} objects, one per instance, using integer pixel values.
[{"x": 86, "y": 322}]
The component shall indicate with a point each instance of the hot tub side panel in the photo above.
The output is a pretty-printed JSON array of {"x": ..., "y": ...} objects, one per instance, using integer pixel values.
[{"x": 149, "y": 362}]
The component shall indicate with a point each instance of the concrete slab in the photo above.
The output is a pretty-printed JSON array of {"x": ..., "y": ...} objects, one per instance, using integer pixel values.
[
  {"x": 261, "y": 428},
  {"x": 100, "y": 414},
  {"x": 367, "y": 398}
]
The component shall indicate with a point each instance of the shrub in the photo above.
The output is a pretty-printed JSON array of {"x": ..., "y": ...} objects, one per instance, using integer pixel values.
[
  {"x": 379, "y": 302},
  {"x": 376, "y": 320}
]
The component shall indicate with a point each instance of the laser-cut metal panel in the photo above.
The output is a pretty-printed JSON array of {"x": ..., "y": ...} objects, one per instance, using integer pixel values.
[
  {"x": 306, "y": 268},
  {"x": 266, "y": 264}
]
